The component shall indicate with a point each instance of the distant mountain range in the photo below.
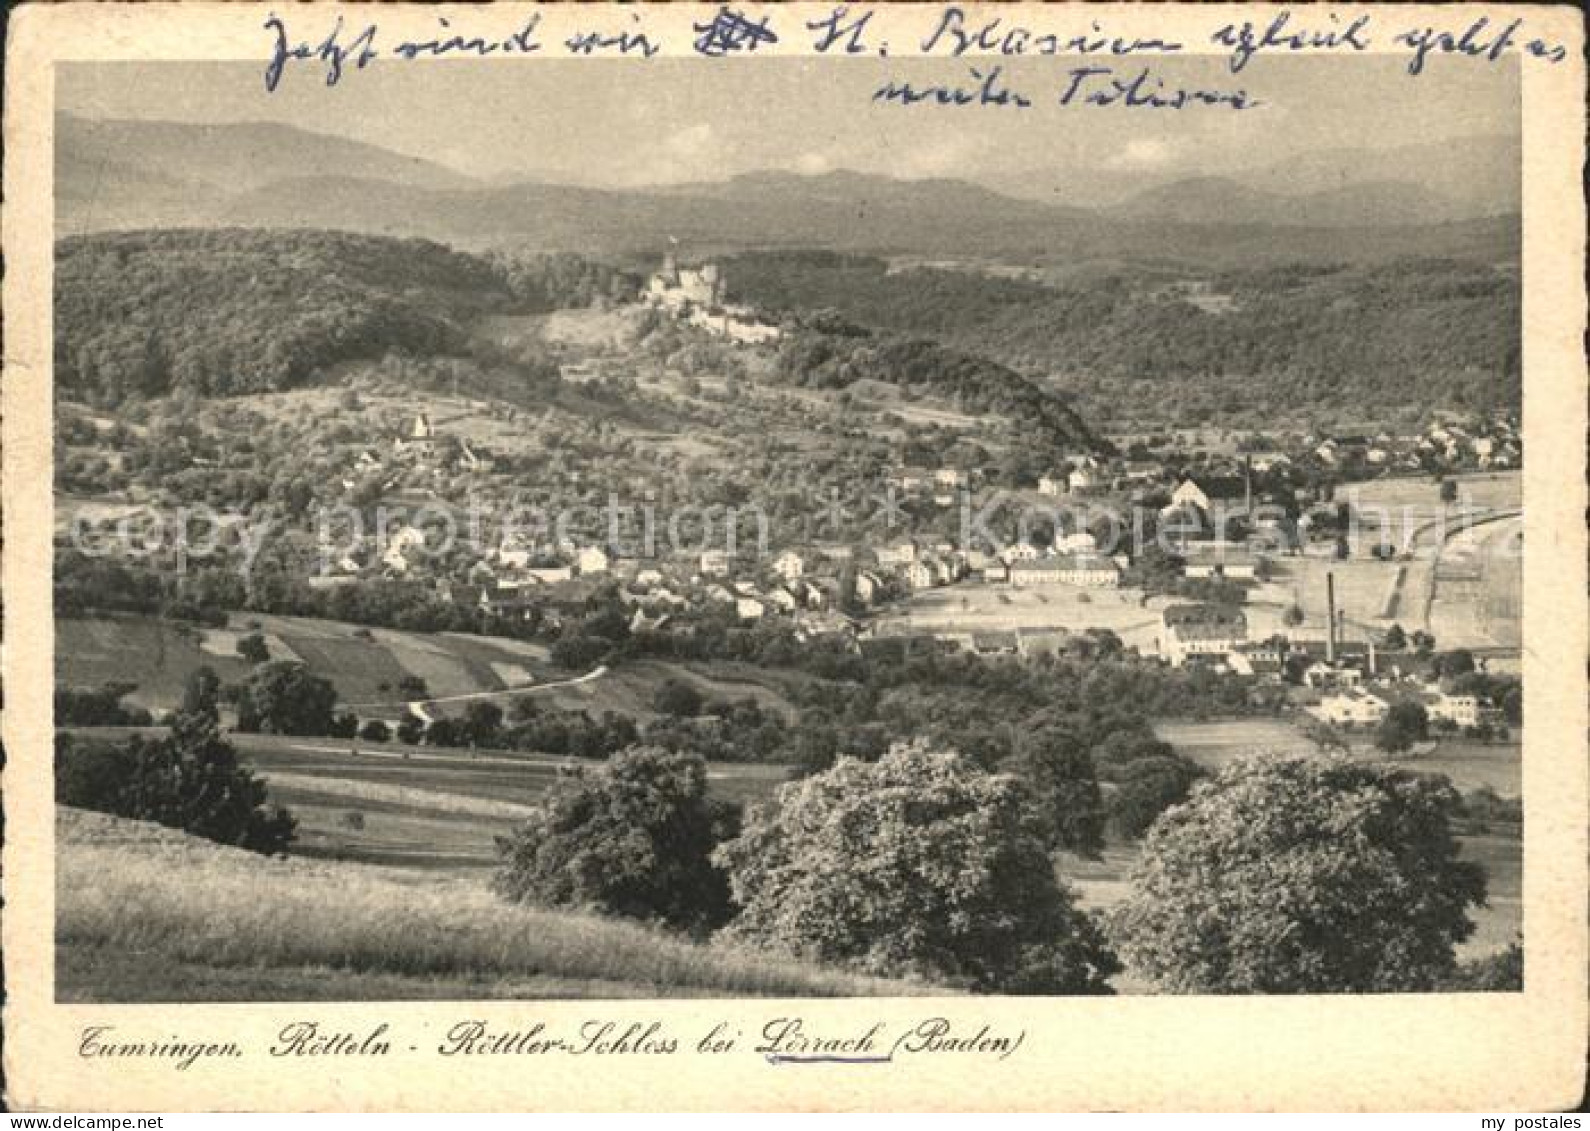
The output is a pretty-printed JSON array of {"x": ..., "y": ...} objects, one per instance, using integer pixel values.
[{"x": 1331, "y": 206}]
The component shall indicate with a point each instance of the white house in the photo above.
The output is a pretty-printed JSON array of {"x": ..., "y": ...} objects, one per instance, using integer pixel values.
[
  {"x": 550, "y": 575},
  {"x": 593, "y": 559},
  {"x": 715, "y": 563},
  {"x": 902, "y": 553},
  {"x": 1464, "y": 710},
  {"x": 1019, "y": 552},
  {"x": 783, "y": 599},
  {"x": 1211, "y": 560},
  {"x": 922, "y": 575},
  {"x": 1090, "y": 571},
  {"x": 749, "y": 608},
  {"x": 404, "y": 539},
  {"x": 1200, "y": 631},
  {"x": 789, "y": 565},
  {"x": 1351, "y": 707},
  {"x": 869, "y": 587},
  {"x": 1052, "y": 484},
  {"x": 1084, "y": 479},
  {"x": 514, "y": 556}
]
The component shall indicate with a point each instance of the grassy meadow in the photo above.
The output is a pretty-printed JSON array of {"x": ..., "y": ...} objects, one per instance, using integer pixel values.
[
  {"x": 425, "y": 807},
  {"x": 365, "y": 665},
  {"x": 146, "y": 914}
]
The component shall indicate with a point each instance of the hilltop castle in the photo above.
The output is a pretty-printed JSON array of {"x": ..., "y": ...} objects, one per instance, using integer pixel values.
[{"x": 678, "y": 288}]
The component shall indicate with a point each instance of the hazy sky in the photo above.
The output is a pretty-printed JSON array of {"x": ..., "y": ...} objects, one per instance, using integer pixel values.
[{"x": 615, "y": 122}]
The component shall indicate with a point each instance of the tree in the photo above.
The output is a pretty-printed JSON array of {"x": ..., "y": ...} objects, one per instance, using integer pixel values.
[
  {"x": 1144, "y": 789},
  {"x": 1500, "y": 972},
  {"x": 376, "y": 730},
  {"x": 1396, "y": 639},
  {"x": 482, "y": 723},
  {"x": 1404, "y": 724},
  {"x": 1459, "y": 661},
  {"x": 282, "y": 697},
  {"x": 1449, "y": 490},
  {"x": 633, "y": 837},
  {"x": 676, "y": 697},
  {"x": 1325, "y": 737},
  {"x": 1292, "y": 617},
  {"x": 253, "y": 648},
  {"x": 1302, "y": 875},
  {"x": 409, "y": 730},
  {"x": 201, "y": 691},
  {"x": 189, "y": 780},
  {"x": 919, "y": 864},
  {"x": 1059, "y": 773},
  {"x": 412, "y": 687}
]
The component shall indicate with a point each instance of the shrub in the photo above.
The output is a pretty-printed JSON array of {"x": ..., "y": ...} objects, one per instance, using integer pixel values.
[
  {"x": 1058, "y": 771},
  {"x": 375, "y": 730},
  {"x": 1404, "y": 724},
  {"x": 919, "y": 864},
  {"x": 1502, "y": 972},
  {"x": 281, "y": 697},
  {"x": 98, "y": 707},
  {"x": 412, "y": 687},
  {"x": 1146, "y": 788},
  {"x": 1301, "y": 875},
  {"x": 189, "y": 780},
  {"x": 253, "y": 648},
  {"x": 633, "y": 837},
  {"x": 676, "y": 697}
]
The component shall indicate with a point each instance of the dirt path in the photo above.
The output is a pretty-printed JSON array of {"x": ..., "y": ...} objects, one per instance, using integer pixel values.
[{"x": 418, "y": 706}]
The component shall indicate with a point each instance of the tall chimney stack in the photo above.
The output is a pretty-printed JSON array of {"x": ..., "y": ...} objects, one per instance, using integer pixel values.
[{"x": 1330, "y": 618}]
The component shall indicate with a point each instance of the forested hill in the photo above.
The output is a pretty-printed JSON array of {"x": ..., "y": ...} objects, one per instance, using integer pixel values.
[
  {"x": 833, "y": 357},
  {"x": 220, "y": 312},
  {"x": 1315, "y": 340}
]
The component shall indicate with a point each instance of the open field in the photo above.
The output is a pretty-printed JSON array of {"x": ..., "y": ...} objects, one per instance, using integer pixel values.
[
  {"x": 1364, "y": 589},
  {"x": 973, "y": 607},
  {"x": 1214, "y": 743},
  {"x": 140, "y": 908},
  {"x": 1498, "y": 490},
  {"x": 423, "y": 806},
  {"x": 157, "y": 655},
  {"x": 365, "y": 665},
  {"x": 1468, "y": 764},
  {"x": 630, "y": 688},
  {"x": 1478, "y": 595}
]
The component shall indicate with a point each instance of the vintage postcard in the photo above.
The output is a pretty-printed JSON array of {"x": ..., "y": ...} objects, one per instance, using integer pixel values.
[{"x": 794, "y": 557}]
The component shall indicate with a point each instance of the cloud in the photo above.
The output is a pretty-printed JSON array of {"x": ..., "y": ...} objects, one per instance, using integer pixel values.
[
  {"x": 943, "y": 157},
  {"x": 813, "y": 162},
  {"x": 688, "y": 154},
  {"x": 691, "y": 142},
  {"x": 1144, "y": 153}
]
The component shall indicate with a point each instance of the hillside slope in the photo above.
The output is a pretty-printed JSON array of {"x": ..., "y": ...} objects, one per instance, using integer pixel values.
[
  {"x": 216, "y": 312},
  {"x": 1265, "y": 340},
  {"x": 148, "y": 914}
]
